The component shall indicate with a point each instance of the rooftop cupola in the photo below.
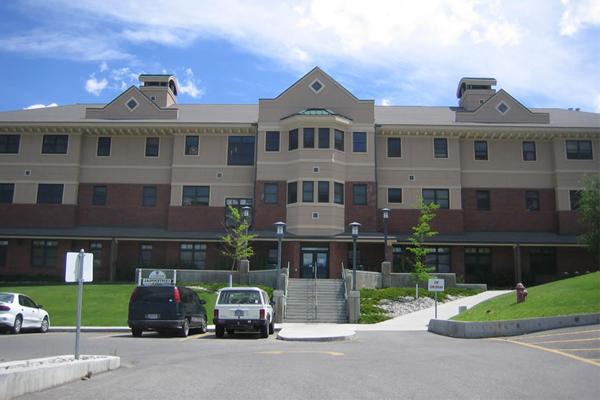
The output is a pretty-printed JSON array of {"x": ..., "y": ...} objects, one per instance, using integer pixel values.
[
  {"x": 161, "y": 89},
  {"x": 473, "y": 92}
]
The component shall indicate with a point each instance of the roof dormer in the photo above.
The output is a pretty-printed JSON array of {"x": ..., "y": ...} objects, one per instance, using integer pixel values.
[
  {"x": 161, "y": 89},
  {"x": 473, "y": 92}
]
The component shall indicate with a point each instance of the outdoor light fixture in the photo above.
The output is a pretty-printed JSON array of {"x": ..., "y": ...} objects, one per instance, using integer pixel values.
[
  {"x": 354, "y": 226},
  {"x": 280, "y": 226},
  {"x": 386, "y": 216}
]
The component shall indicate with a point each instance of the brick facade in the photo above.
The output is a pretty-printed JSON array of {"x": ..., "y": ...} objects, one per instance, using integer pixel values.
[
  {"x": 266, "y": 214},
  {"x": 365, "y": 214}
]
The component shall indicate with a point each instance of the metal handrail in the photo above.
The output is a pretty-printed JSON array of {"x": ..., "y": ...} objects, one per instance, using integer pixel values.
[
  {"x": 315, "y": 292},
  {"x": 344, "y": 281}
]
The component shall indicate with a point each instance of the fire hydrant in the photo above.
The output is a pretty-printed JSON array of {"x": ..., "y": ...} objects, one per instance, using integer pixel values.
[{"x": 521, "y": 292}]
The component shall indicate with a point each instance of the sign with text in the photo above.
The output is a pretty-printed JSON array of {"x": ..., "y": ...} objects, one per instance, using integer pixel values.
[
  {"x": 157, "y": 277},
  {"x": 72, "y": 263},
  {"x": 435, "y": 285}
]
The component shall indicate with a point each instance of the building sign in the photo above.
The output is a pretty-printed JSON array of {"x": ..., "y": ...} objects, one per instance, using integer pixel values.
[
  {"x": 436, "y": 285},
  {"x": 156, "y": 277}
]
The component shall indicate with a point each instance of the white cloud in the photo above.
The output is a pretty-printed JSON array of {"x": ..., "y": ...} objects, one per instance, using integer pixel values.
[
  {"x": 578, "y": 15},
  {"x": 36, "y": 106},
  {"x": 386, "y": 102},
  {"x": 103, "y": 66},
  {"x": 189, "y": 86},
  {"x": 95, "y": 86}
]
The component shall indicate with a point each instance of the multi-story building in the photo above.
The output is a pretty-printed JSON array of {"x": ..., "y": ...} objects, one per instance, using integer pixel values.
[{"x": 143, "y": 180}]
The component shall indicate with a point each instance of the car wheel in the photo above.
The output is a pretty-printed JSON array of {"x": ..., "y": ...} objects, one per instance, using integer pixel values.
[
  {"x": 219, "y": 331},
  {"x": 264, "y": 331},
  {"x": 203, "y": 326},
  {"x": 272, "y": 328},
  {"x": 137, "y": 332},
  {"x": 17, "y": 325},
  {"x": 45, "y": 325},
  {"x": 185, "y": 328}
]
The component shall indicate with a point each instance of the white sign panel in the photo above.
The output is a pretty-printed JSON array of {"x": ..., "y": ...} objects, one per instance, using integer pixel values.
[
  {"x": 158, "y": 278},
  {"x": 436, "y": 285},
  {"x": 71, "y": 267}
]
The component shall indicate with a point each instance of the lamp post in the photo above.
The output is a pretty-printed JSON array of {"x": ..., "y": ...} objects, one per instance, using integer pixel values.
[
  {"x": 354, "y": 226},
  {"x": 386, "y": 216},
  {"x": 280, "y": 226},
  {"x": 246, "y": 214}
]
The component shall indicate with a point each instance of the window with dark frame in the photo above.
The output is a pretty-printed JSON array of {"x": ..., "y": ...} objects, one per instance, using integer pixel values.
[
  {"x": 293, "y": 139},
  {"x": 272, "y": 141},
  {"x": 483, "y": 200},
  {"x": 323, "y": 138},
  {"x": 240, "y": 150},
  {"x": 440, "y": 197},
  {"x": 272, "y": 257},
  {"x": 145, "y": 254},
  {"x": 192, "y": 255},
  {"x": 152, "y": 146},
  {"x": 532, "y": 200},
  {"x": 480, "y": 147},
  {"x": 394, "y": 195},
  {"x": 359, "y": 194},
  {"x": 43, "y": 253},
  {"x": 308, "y": 138},
  {"x": 103, "y": 146},
  {"x": 271, "y": 193},
  {"x": 440, "y": 148},
  {"x": 579, "y": 150},
  {"x": 99, "y": 198},
  {"x": 7, "y": 193},
  {"x": 292, "y": 192},
  {"x": 338, "y": 138},
  {"x": 50, "y": 193},
  {"x": 394, "y": 147},
  {"x": 529, "y": 151},
  {"x": 338, "y": 193},
  {"x": 323, "y": 196},
  {"x": 55, "y": 144},
  {"x": 359, "y": 142},
  {"x": 542, "y": 260},
  {"x": 308, "y": 191},
  {"x": 192, "y": 145},
  {"x": 478, "y": 263},
  {"x": 3, "y": 252},
  {"x": 196, "y": 195},
  {"x": 9, "y": 144},
  {"x": 149, "y": 196},
  {"x": 238, "y": 203},
  {"x": 438, "y": 258},
  {"x": 574, "y": 199}
]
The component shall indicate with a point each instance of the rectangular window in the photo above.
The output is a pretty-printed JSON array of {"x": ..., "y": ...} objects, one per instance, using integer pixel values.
[
  {"x": 394, "y": 147},
  {"x": 99, "y": 198},
  {"x": 579, "y": 149},
  {"x": 241, "y": 150},
  {"x": 272, "y": 257},
  {"x": 574, "y": 198},
  {"x": 338, "y": 193},
  {"x": 483, "y": 200},
  {"x": 7, "y": 192},
  {"x": 3, "y": 252},
  {"x": 308, "y": 141},
  {"x": 152, "y": 146},
  {"x": 149, "y": 196},
  {"x": 402, "y": 259},
  {"x": 96, "y": 250},
  {"x": 43, "y": 253},
  {"x": 338, "y": 138},
  {"x": 196, "y": 195},
  {"x": 9, "y": 144},
  {"x": 529, "y": 151},
  {"x": 359, "y": 266},
  {"x": 238, "y": 204},
  {"x": 192, "y": 145},
  {"x": 292, "y": 192},
  {"x": 145, "y": 254},
  {"x": 438, "y": 259},
  {"x": 55, "y": 144},
  {"x": 323, "y": 192},
  {"x": 50, "y": 193},
  {"x": 480, "y": 148},
  {"x": 293, "y": 139},
  {"x": 192, "y": 255},
  {"x": 359, "y": 194},
  {"x": 532, "y": 200},
  {"x": 359, "y": 142},
  {"x": 272, "y": 141},
  {"x": 394, "y": 195},
  {"x": 103, "y": 146},
  {"x": 440, "y": 148},
  {"x": 308, "y": 188},
  {"x": 478, "y": 264},
  {"x": 542, "y": 260},
  {"x": 323, "y": 138},
  {"x": 440, "y": 197},
  {"x": 271, "y": 193}
]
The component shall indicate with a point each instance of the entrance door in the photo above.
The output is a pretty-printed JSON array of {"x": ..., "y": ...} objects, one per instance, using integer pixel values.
[{"x": 315, "y": 257}]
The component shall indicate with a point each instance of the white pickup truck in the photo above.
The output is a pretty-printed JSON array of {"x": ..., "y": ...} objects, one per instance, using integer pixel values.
[{"x": 243, "y": 309}]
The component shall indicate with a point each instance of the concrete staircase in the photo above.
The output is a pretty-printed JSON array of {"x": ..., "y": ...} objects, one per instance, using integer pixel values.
[{"x": 329, "y": 298}]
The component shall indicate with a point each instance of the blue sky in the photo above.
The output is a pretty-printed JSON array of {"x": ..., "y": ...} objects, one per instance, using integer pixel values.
[{"x": 546, "y": 53}]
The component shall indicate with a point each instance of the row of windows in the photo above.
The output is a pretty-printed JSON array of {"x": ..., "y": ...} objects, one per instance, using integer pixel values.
[
  {"x": 532, "y": 200},
  {"x": 308, "y": 192},
  {"x": 359, "y": 140}
]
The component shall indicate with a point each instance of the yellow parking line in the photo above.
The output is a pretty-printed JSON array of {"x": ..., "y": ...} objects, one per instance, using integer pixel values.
[
  {"x": 562, "y": 334},
  {"x": 533, "y": 346},
  {"x": 567, "y": 341},
  {"x": 196, "y": 336}
]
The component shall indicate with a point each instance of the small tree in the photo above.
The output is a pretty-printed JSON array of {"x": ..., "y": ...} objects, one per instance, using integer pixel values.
[
  {"x": 236, "y": 240},
  {"x": 589, "y": 209},
  {"x": 420, "y": 233}
]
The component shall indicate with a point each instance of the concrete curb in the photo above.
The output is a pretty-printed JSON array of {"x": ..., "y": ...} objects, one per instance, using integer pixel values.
[
  {"x": 476, "y": 330},
  {"x": 312, "y": 334},
  {"x": 20, "y": 377}
]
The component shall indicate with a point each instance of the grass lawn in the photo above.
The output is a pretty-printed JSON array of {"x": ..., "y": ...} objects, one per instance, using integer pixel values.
[{"x": 579, "y": 295}]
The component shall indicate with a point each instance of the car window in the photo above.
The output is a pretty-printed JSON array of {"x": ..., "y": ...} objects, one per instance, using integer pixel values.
[
  {"x": 26, "y": 301},
  {"x": 239, "y": 297},
  {"x": 6, "y": 298},
  {"x": 153, "y": 294}
]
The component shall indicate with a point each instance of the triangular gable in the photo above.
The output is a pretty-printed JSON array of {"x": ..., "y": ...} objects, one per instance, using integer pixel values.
[
  {"x": 131, "y": 104},
  {"x": 502, "y": 108}
]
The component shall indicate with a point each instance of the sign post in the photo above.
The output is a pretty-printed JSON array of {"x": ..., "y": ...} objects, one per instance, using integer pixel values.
[
  {"x": 435, "y": 285},
  {"x": 79, "y": 268}
]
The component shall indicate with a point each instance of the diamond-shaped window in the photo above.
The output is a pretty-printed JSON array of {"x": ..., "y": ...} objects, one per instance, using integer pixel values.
[
  {"x": 316, "y": 86},
  {"x": 502, "y": 107},
  {"x": 132, "y": 104}
]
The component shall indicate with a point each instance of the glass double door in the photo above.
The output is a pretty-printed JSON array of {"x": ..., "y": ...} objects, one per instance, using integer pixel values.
[{"x": 314, "y": 259}]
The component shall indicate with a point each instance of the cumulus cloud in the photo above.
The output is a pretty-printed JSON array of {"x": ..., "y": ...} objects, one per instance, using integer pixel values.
[
  {"x": 36, "y": 106},
  {"x": 189, "y": 86},
  {"x": 578, "y": 15},
  {"x": 386, "y": 102},
  {"x": 95, "y": 86},
  {"x": 103, "y": 66}
]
